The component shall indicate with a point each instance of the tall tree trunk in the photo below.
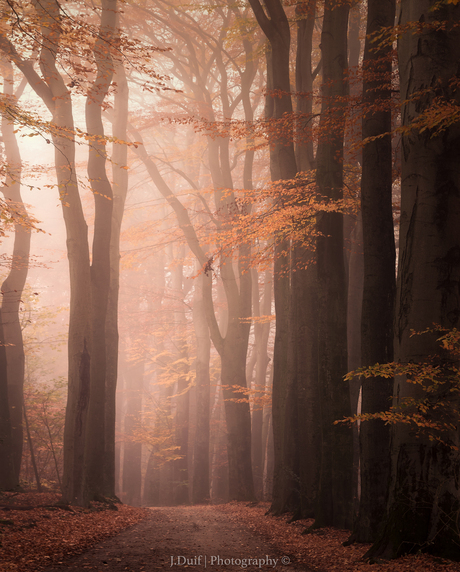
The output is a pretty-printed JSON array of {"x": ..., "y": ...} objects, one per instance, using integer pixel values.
[
  {"x": 201, "y": 472},
  {"x": 219, "y": 464},
  {"x": 283, "y": 165},
  {"x": 7, "y": 476},
  {"x": 379, "y": 269},
  {"x": 151, "y": 496},
  {"x": 13, "y": 285},
  {"x": 152, "y": 482},
  {"x": 304, "y": 402},
  {"x": 306, "y": 16},
  {"x": 232, "y": 347},
  {"x": 334, "y": 506},
  {"x": 182, "y": 398},
  {"x": 120, "y": 189},
  {"x": 353, "y": 236},
  {"x": 54, "y": 93},
  {"x": 83, "y": 322},
  {"x": 424, "y": 498},
  {"x": 267, "y": 440},
  {"x": 261, "y": 334},
  {"x": 95, "y": 481}
]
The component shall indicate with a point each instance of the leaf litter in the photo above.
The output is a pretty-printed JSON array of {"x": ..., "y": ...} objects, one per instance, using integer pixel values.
[
  {"x": 323, "y": 549},
  {"x": 35, "y": 534}
]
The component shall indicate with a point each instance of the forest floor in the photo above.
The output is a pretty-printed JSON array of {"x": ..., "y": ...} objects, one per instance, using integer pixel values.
[{"x": 35, "y": 536}]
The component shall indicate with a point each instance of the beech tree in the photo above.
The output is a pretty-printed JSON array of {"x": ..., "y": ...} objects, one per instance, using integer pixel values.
[
  {"x": 197, "y": 71},
  {"x": 224, "y": 212},
  {"x": 7, "y": 476},
  {"x": 379, "y": 266},
  {"x": 13, "y": 284},
  {"x": 119, "y": 193},
  {"x": 274, "y": 23},
  {"x": 95, "y": 480},
  {"x": 335, "y": 488},
  {"x": 83, "y": 475},
  {"x": 201, "y": 465},
  {"x": 424, "y": 498}
]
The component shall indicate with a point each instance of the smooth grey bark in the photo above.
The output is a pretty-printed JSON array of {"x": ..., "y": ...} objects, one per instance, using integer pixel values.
[
  {"x": 201, "y": 468},
  {"x": 306, "y": 17},
  {"x": 334, "y": 502},
  {"x": 274, "y": 23},
  {"x": 13, "y": 284},
  {"x": 119, "y": 189},
  {"x": 267, "y": 440},
  {"x": 261, "y": 334},
  {"x": 7, "y": 476},
  {"x": 304, "y": 409},
  {"x": 52, "y": 89},
  {"x": 353, "y": 235},
  {"x": 379, "y": 283},
  {"x": 84, "y": 280},
  {"x": 424, "y": 497},
  {"x": 95, "y": 481},
  {"x": 182, "y": 397}
]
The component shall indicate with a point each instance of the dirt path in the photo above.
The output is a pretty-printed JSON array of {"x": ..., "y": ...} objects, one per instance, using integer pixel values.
[{"x": 194, "y": 538}]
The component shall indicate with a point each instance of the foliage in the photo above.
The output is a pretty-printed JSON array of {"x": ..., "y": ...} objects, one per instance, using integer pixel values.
[
  {"x": 44, "y": 390},
  {"x": 12, "y": 214},
  {"x": 257, "y": 397},
  {"x": 45, "y": 410},
  {"x": 435, "y": 411},
  {"x": 281, "y": 210}
]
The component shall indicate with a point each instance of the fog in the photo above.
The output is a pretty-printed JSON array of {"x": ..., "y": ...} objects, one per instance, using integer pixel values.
[
  {"x": 170, "y": 429},
  {"x": 201, "y": 296}
]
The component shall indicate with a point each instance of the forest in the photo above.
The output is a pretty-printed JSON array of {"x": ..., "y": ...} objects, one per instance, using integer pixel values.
[{"x": 230, "y": 265}]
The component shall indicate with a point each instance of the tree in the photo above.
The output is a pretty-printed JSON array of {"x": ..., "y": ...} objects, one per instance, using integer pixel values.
[
  {"x": 379, "y": 265},
  {"x": 96, "y": 477},
  {"x": 83, "y": 474},
  {"x": 13, "y": 284},
  {"x": 198, "y": 72},
  {"x": 334, "y": 506},
  {"x": 119, "y": 192},
  {"x": 201, "y": 469},
  {"x": 274, "y": 23},
  {"x": 7, "y": 476},
  {"x": 424, "y": 499}
]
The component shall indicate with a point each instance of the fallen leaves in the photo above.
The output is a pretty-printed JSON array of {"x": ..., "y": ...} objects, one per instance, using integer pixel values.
[
  {"x": 35, "y": 534},
  {"x": 43, "y": 536},
  {"x": 323, "y": 550}
]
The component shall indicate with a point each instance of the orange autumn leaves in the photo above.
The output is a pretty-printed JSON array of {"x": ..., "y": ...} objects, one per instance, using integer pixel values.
[{"x": 433, "y": 412}]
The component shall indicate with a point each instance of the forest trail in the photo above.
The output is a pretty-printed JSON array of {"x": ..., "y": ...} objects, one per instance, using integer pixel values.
[{"x": 194, "y": 538}]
